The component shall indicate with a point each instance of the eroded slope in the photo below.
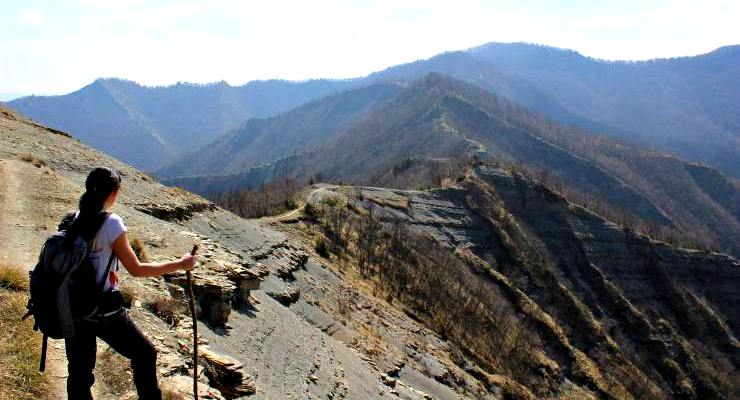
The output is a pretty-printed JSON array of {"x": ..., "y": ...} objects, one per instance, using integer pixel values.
[
  {"x": 616, "y": 313},
  {"x": 276, "y": 341}
]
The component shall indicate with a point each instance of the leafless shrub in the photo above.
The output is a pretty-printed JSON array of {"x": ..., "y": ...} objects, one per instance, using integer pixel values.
[
  {"x": 321, "y": 248},
  {"x": 344, "y": 305},
  {"x": 418, "y": 173},
  {"x": 30, "y": 158},
  {"x": 168, "y": 309}
]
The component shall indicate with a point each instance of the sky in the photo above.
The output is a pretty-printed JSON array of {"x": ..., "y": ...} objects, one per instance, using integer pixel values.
[{"x": 58, "y": 46}]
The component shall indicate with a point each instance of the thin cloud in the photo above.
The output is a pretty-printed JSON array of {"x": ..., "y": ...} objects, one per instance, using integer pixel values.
[
  {"x": 159, "y": 43},
  {"x": 31, "y": 17}
]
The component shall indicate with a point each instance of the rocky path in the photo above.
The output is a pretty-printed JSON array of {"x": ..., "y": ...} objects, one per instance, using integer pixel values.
[{"x": 19, "y": 226}]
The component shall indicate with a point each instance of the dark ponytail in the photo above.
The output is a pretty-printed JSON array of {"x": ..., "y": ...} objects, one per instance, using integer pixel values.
[{"x": 100, "y": 183}]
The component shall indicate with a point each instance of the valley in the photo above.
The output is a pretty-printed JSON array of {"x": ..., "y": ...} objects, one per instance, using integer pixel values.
[
  {"x": 509, "y": 221},
  {"x": 530, "y": 296},
  {"x": 441, "y": 118}
]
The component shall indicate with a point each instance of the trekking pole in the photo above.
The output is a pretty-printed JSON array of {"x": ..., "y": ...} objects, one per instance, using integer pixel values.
[{"x": 195, "y": 326}]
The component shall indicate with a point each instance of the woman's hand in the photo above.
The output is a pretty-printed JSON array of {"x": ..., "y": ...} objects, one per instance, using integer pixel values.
[
  {"x": 126, "y": 254},
  {"x": 187, "y": 261}
]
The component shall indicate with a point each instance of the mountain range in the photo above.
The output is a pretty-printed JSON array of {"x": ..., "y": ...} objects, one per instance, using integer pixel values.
[
  {"x": 610, "y": 134},
  {"x": 147, "y": 126},
  {"x": 686, "y": 106},
  {"x": 441, "y": 118}
]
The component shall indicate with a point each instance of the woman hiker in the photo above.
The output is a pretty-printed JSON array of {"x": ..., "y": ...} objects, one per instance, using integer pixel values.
[{"x": 112, "y": 323}]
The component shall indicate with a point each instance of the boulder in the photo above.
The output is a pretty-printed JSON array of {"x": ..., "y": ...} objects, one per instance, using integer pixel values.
[
  {"x": 180, "y": 387},
  {"x": 388, "y": 381},
  {"x": 287, "y": 295},
  {"x": 246, "y": 279},
  {"x": 227, "y": 374},
  {"x": 213, "y": 296},
  {"x": 436, "y": 370}
]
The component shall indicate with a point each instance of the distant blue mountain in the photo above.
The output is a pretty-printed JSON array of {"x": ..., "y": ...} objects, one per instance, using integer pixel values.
[
  {"x": 689, "y": 106},
  {"x": 147, "y": 126}
]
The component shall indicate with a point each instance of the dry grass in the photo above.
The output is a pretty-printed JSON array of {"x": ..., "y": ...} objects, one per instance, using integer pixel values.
[
  {"x": 20, "y": 345},
  {"x": 166, "y": 308},
  {"x": 172, "y": 395},
  {"x": 139, "y": 250},
  {"x": 30, "y": 158},
  {"x": 113, "y": 371},
  {"x": 400, "y": 203},
  {"x": 129, "y": 293},
  {"x": 13, "y": 277},
  {"x": 368, "y": 339}
]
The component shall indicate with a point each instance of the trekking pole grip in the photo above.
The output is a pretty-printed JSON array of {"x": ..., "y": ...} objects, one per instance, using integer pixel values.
[{"x": 195, "y": 326}]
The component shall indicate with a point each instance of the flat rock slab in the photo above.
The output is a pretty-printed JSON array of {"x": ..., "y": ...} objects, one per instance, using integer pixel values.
[{"x": 289, "y": 358}]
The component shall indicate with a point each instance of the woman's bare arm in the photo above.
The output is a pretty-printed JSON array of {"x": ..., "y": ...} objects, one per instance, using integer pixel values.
[{"x": 126, "y": 254}]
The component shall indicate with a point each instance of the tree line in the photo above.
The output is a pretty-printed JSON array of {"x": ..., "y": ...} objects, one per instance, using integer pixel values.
[{"x": 270, "y": 198}]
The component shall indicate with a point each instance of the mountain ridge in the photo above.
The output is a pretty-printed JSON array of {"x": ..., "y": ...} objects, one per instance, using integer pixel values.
[
  {"x": 178, "y": 117},
  {"x": 683, "y": 105},
  {"x": 440, "y": 117},
  {"x": 262, "y": 141}
]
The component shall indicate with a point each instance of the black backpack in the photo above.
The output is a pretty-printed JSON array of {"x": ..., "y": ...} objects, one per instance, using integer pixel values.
[{"x": 63, "y": 285}]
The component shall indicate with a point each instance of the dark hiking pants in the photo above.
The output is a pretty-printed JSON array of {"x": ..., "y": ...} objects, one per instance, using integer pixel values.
[{"x": 124, "y": 337}]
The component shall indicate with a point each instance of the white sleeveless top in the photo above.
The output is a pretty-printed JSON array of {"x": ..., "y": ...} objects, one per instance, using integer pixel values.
[{"x": 102, "y": 248}]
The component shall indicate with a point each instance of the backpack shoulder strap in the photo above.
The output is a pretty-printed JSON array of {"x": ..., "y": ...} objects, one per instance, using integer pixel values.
[{"x": 101, "y": 285}]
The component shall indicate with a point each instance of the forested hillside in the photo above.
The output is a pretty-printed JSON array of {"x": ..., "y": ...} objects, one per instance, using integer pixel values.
[
  {"x": 538, "y": 290},
  {"x": 438, "y": 117}
]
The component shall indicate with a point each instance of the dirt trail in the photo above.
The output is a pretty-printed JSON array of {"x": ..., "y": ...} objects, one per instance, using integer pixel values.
[
  {"x": 293, "y": 213},
  {"x": 18, "y": 233}
]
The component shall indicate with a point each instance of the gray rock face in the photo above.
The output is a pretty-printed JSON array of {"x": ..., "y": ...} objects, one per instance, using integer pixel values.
[
  {"x": 169, "y": 212},
  {"x": 213, "y": 297},
  {"x": 647, "y": 272},
  {"x": 601, "y": 285}
]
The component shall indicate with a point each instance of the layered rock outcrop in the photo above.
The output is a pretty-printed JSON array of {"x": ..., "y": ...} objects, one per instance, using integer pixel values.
[{"x": 615, "y": 311}]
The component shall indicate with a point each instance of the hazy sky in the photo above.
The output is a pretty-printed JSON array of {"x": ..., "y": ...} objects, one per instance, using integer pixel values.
[{"x": 59, "y": 46}]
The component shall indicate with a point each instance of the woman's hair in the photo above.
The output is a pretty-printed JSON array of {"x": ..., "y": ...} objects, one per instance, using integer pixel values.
[{"x": 100, "y": 183}]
